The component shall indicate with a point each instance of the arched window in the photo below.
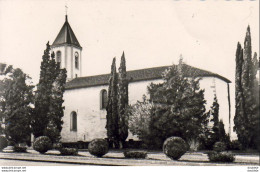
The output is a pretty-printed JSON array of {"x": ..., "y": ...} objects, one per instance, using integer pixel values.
[
  {"x": 58, "y": 57},
  {"x": 103, "y": 99},
  {"x": 77, "y": 60},
  {"x": 73, "y": 121}
]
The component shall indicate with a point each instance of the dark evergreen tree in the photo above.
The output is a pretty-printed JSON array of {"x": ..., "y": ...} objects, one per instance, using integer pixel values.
[
  {"x": 109, "y": 106},
  {"x": 247, "y": 95},
  {"x": 179, "y": 106},
  {"x": 16, "y": 98},
  {"x": 48, "y": 112},
  {"x": 55, "y": 114},
  {"x": 112, "y": 107},
  {"x": 122, "y": 101},
  {"x": 42, "y": 96},
  {"x": 223, "y": 137},
  {"x": 239, "y": 105},
  {"x": 215, "y": 120}
]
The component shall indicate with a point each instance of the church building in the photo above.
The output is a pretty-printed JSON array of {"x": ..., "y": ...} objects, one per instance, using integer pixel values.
[{"x": 85, "y": 97}]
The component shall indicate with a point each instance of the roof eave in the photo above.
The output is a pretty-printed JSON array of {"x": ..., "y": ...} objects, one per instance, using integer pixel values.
[{"x": 60, "y": 45}]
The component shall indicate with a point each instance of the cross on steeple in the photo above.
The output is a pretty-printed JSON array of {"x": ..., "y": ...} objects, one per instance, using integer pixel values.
[{"x": 66, "y": 9}]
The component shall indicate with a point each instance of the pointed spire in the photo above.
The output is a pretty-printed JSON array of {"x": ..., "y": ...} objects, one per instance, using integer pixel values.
[
  {"x": 66, "y": 13},
  {"x": 66, "y": 35}
]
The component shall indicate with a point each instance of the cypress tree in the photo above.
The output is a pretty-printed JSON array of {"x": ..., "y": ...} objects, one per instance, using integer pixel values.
[
  {"x": 122, "y": 100},
  {"x": 250, "y": 92},
  {"x": 42, "y": 96},
  {"x": 239, "y": 122},
  {"x": 56, "y": 113},
  {"x": 112, "y": 107},
  {"x": 247, "y": 95},
  {"x": 108, "y": 108},
  {"x": 48, "y": 112},
  {"x": 215, "y": 120}
]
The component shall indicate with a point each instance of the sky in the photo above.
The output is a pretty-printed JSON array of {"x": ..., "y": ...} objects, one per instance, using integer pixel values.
[{"x": 151, "y": 32}]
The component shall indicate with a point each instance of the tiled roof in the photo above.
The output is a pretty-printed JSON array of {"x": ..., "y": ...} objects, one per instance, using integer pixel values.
[
  {"x": 66, "y": 36},
  {"x": 138, "y": 75}
]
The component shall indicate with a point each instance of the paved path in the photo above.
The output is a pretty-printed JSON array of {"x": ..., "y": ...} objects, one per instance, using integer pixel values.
[
  {"x": 117, "y": 158},
  {"x": 21, "y": 163}
]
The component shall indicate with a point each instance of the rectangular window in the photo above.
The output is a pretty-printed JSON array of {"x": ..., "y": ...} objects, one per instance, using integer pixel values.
[{"x": 77, "y": 62}]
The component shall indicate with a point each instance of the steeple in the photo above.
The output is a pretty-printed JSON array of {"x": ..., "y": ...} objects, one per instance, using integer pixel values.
[
  {"x": 66, "y": 36},
  {"x": 68, "y": 51}
]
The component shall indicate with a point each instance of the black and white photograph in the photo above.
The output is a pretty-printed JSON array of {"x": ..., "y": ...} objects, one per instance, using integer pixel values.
[{"x": 91, "y": 83}]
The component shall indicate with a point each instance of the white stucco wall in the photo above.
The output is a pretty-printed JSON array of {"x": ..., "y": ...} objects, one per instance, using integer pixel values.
[
  {"x": 91, "y": 120},
  {"x": 221, "y": 90}
]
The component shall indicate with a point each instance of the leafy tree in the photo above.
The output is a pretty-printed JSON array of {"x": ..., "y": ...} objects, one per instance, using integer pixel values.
[
  {"x": 122, "y": 101},
  {"x": 48, "y": 110},
  {"x": 16, "y": 98},
  {"x": 2, "y": 90},
  {"x": 141, "y": 115},
  {"x": 247, "y": 95},
  {"x": 112, "y": 107},
  {"x": 179, "y": 107}
]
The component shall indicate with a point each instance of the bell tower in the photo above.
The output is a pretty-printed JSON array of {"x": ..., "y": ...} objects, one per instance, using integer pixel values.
[{"x": 68, "y": 51}]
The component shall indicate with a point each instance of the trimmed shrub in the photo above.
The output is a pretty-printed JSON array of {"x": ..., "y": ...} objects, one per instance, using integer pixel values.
[
  {"x": 18, "y": 148},
  {"x": 221, "y": 157},
  {"x": 135, "y": 154},
  {"x": 174, "y": 147},
  {"x": 11, "y": 143},
  {"x": 98, "y": 147},
  {"x": 3, "y": 143},
  {"x": 42, "y": 144},
  {"x": 219, "y": 146},
  {"x": 57, "y": 146},
  {"x": 68, "y": 151},
  {"x": 236, "y": 145}
]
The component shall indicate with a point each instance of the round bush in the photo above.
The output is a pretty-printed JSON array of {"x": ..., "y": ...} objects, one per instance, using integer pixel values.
[
  {"x": 3, "y": 143},
  {"x": 98, "y": 147},
  {"x": 11, "y": 143},
  {"x": 221, "y": 157},
  {"x": 174, "y": 147},
  {"x": 236, "y": 145},
  {"x": 57, "y": 146},
  {"x": 68, "y": 151},
  {"x": 42, "y": 144},
  {"x": 135, "y": 154},
  {"x": 18, "y": 148},
  {"x": 219, "y": 147}
]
